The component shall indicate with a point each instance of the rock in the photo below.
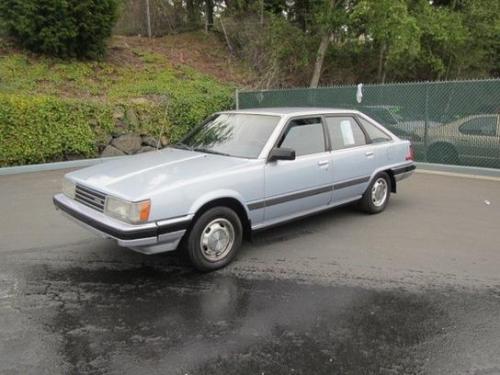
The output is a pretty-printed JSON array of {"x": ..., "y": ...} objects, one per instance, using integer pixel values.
[
  {"x": 118, "y": 113},
  {"x": 139, "y": 101},
  {"x": 120, "y": 129},
  {"x": 150, "y": 141},
  {"x": 111, "y": 151},
  {"x": 108, "y": 139},
  {"x": 146, "y": 149},
  {"x": 164, "y": 140},
  {"x": 128, "y": 143},
  {"x": 103, "y": 142},
  {"x": 132, "y": 118}
]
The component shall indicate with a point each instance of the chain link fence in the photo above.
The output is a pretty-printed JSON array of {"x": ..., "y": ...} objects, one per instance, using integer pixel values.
[
  {"x": 154, "y": 18},
  {"x": 456, "y": 122}
]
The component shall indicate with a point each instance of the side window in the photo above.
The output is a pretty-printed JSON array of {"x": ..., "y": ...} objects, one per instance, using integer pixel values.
[
  {"x": 305, "y": 136},
  {"x": 376, "y": 135},
  {"x": 480, "y": 126},
  {"x": 344, "y": 132}
]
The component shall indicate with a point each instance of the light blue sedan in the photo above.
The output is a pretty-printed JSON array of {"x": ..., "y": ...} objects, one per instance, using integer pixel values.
[{"x": 238, "y": 172}]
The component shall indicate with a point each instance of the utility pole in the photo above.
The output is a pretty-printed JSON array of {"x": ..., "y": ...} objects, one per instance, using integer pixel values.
[
  {"x": 148, "y": 19},
  {"x": 261, "y": 12}
]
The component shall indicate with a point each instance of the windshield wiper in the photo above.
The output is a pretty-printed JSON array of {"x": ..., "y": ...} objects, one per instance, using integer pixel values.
[{"x": 208, "y": 151}]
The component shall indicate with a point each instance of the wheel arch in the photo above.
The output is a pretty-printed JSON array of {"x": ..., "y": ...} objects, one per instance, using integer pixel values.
[
  {"x": 389, "y": 172},
  {"x": 442, "y": 143},
  {"x": 438, "y": 145},
  {"x": 226, "y": 199}
]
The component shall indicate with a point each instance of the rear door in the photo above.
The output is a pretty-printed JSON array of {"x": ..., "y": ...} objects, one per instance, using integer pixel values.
[
  {"x": 304, "y": 184},
  {"x": 353, "y": 157}
]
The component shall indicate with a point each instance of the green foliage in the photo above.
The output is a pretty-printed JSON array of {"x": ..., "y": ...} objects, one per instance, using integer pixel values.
[
  {"x": 369, "y": 40},
  {"x": 277, "y": 50},
  {"x": 64, "y": 28},
  {"x": 393, "y": 30},
  {"x": 53, "y": 110},
  {"x": 40, "y": 129}
]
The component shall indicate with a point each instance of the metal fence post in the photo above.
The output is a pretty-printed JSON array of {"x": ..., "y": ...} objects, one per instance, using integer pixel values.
[
  {"x": 426, "y": 125},
  {"x": 237, "y": 98},
  {"x": 148, "y": 18}
]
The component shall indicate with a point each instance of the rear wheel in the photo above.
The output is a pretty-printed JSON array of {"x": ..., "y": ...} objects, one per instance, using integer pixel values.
[
  {"x": 442, "y": 154},
  {"x": 377, "y": 195},
  {"x": 214, "y": 239}
]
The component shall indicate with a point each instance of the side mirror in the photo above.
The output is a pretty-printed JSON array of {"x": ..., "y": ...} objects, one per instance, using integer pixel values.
[{"x": 281, "y": 154}]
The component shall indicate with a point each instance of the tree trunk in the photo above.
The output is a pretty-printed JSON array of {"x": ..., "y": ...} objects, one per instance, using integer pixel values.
[
  {"x": 320, "y": 58},
  {"x": 210, "y": 13},
  {"x": 261, "y": 12},
  {"x": 301, "y": 10},
  {"x": 381, "y": 63},
  {"x": 191, "y": 13},
  {"x": 148, "y": 19}
]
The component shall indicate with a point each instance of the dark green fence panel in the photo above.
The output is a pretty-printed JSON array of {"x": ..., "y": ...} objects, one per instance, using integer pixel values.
[{"x": 453, "y": 122}]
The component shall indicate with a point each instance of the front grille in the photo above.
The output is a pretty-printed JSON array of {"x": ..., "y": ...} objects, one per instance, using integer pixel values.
[{"x": 90, "y": 198}]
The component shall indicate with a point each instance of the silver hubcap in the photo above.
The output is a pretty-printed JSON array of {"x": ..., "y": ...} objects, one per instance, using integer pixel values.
[
  {"x": 379, "y": 192},
  {"x": 217, "y": 239}
]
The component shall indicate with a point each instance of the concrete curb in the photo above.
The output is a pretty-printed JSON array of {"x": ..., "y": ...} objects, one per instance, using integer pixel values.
[
  {"x": 459, "y": 171},
  {"x": 54, "y": 166},
  {"x": 441, "y": 169}
]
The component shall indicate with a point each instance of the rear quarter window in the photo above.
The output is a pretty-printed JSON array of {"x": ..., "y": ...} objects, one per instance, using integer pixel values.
[{"x": 375, "y": 134}]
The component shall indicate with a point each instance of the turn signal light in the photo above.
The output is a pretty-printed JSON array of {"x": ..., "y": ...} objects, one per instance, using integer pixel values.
[
  {"x": 144, "y": 209},
  {"x": 411, "y": 154}
]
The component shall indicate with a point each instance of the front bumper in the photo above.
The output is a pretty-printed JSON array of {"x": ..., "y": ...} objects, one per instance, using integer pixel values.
[{"x": 149, "y": 238}]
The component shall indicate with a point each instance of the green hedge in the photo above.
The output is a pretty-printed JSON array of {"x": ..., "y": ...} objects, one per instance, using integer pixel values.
[{"x": 41, "y": 129}]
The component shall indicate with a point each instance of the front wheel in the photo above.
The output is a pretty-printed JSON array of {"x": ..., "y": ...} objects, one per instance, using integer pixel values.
[
  {"x": 214, "y": 239},
  {"x": 377, "y": 195}
]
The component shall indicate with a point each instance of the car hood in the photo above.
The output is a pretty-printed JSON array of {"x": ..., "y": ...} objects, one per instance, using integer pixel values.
[{"x": 136, "y": 177}]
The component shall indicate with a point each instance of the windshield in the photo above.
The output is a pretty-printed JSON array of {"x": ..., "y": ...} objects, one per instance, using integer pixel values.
[{"x": 232, "y": 134}]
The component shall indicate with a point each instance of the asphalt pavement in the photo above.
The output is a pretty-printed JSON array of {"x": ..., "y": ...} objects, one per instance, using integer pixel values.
[{"x": 414, "y": 290}]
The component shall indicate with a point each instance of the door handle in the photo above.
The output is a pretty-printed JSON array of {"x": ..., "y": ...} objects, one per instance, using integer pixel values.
[
  {"x": 322, "y": 163},
  {"x": 369, "y": 154}
]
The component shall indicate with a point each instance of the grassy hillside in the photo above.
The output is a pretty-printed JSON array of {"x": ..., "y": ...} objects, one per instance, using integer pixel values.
[{"x": 163, "y": 85}]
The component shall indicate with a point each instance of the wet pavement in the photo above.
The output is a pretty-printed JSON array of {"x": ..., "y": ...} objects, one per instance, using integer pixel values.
[
  {"x": 314, "y": 297},
  {"x": 137, "y": 319}
]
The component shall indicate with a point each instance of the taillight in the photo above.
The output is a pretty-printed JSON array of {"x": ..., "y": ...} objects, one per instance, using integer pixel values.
[{"x": 411, "y": 153}]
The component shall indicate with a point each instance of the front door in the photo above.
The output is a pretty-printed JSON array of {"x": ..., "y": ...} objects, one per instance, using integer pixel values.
[{"x": 304, "y": 184}]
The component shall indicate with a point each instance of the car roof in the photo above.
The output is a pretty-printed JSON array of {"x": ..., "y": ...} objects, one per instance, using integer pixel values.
[{"x": 292, "y": 111}]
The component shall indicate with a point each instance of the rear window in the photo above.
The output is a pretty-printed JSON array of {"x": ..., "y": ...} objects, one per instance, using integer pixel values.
[
  {"x": 376, "y": 135},
  {"x": 344, "y": 132}
]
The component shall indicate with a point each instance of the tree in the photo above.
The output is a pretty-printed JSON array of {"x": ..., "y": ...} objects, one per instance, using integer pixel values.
[
  {"x": 443, "y": 39},
  {"x": 210, "y": 13},
  {"x": 390, "y": 28},
  {"x": 71, "y": 28}
]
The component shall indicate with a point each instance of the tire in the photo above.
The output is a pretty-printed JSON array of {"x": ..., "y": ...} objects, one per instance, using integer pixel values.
[
  {"x": 214, "y": 239},
  {"x": 443, "y": 154},
  {"x": 376, "y": 196}
]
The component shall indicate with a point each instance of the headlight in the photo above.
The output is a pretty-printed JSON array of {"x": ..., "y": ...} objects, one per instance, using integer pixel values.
[
  {"x": 132, "y": 212},
  {"x": 68, "y": 188}
]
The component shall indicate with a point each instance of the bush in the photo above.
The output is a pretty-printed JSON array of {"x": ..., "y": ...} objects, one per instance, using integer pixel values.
[
  {"x": 63, "y": 28},
  {"x": 41, "y": 129}
]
